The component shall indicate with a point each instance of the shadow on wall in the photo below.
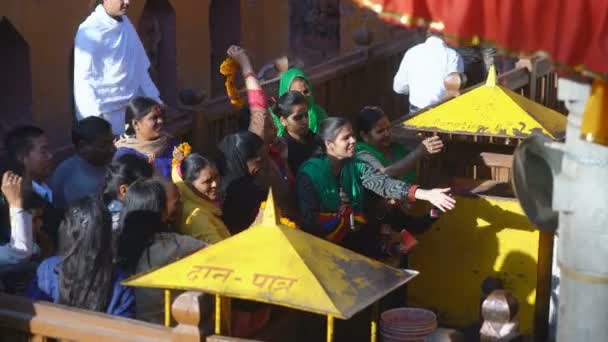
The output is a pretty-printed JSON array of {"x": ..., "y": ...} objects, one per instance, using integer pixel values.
[
  {"x": 157, "y": 31},
  {"x": 15, "y": 73},
  {"x": 314, "y": 29},
  {"x": 484, "y": 237}
]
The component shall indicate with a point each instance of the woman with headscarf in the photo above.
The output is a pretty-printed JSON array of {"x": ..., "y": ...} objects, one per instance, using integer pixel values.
[{"x": 295, "y": 80}]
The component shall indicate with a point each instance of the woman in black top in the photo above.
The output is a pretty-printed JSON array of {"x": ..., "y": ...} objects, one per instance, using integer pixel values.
[
  {"x": 292, "y": 110},
  {"x": 241, "y": 161}
]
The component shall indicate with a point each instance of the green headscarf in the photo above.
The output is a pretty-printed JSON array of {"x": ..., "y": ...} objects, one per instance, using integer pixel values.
[
  {"x": 320, "y": 172},
  {"x": 397, "y": 150},
  {"x": 316, "y": 114}
]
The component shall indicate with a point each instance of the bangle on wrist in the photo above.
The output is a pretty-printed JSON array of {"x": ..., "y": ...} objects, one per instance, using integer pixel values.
[{"x": 411, "y": 193}]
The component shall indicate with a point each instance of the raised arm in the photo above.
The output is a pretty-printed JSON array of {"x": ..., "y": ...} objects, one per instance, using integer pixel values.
[
  {"x": 261, "y": 121},
  {"x": 251, "y": 80},
  {"x": 427, "y": 147}
]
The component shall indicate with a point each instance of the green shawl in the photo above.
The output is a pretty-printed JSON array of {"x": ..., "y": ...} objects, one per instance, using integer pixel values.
[
  {"x": 398, "y": 152},
  {"x": 321, "y": 174},
  {"x": 316, "y": 114}
]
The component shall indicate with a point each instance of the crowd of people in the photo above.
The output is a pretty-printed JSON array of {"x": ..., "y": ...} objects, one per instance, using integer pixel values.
[{"x": 129, "y": 200}]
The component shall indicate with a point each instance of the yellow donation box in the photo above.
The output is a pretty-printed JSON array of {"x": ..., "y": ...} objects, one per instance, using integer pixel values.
[{"x": 486, "y": 239}]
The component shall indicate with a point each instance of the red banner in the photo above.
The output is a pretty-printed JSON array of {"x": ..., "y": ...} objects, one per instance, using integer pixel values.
[{"x": 573, "y": 33}]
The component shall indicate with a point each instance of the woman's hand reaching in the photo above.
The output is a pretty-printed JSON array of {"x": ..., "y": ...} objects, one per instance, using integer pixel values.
[
  {"x": 440, "y": 198},
  {"x": 431, "y": 145}
]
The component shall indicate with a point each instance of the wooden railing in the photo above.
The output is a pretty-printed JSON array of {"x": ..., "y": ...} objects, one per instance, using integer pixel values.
[
  {"x": 342, "y": 86},
  {"x": 24, "y": 320},
  {"x": 346, "y": 83}
]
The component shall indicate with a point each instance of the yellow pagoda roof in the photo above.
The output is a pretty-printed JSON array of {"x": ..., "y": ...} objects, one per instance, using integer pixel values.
[
  {"x": 276, "y": 264},
  {"x": 490, "y": 110}
]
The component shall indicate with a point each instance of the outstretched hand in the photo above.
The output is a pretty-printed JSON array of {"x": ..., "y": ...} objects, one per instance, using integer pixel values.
[
  {"x": 440, "y": 198},
  {"x": 432, "y": 145}
]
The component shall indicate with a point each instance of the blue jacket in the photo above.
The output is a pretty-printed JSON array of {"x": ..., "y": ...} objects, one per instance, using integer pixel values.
[{"x": 45, "y": 286}]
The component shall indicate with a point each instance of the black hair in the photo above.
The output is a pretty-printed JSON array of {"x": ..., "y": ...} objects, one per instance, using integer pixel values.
[
  {"x": 244, "y": 118},
  {"x": 137, "y": 108},
  {"x": 89, "y": 129},
  {"x": 368, "y": 117},
  {"x": 236, "y": 150},
  {"x": 18, "y": 143},
  {"x": 192, "y": 166},
  {"x": 86, "y": 272},
  {"x": 283, "y": 107},
  {"x": 142, "y": 219},
  {"x": 328, "y": 131},
  {"x": 127, "y": 169}
]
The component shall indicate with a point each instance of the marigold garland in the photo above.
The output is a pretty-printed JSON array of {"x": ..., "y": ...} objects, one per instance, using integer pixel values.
[
  {"x": 229, "y": 68},
  {"x": 283, "y": 220},
  {"x": 185, "y": 150}
]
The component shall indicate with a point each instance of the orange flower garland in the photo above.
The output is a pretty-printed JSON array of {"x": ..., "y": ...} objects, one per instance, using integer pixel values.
[
  {"x": 283, "y": 220},
  {"x": 229, "y": 68},
  {"x": 184, "y": 149}
]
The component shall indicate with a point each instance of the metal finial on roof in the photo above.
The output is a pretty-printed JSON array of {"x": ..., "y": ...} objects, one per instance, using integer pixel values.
[{"x": 270, "y": 216}]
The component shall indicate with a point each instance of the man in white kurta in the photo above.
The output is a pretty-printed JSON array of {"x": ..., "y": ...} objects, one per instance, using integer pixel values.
[
  {"x": 423, "y": 71},
  {"x": 110, "y": 65}
]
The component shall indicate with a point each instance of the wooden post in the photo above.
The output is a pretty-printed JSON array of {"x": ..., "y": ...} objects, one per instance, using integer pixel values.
[
  {"x": 374, "y": 326},
  {"x": 167, "y": 308},
  {"x": 330, "y": 328},
  {"x": 218, "y": 315},
  {"x": 187, "y": 309}
]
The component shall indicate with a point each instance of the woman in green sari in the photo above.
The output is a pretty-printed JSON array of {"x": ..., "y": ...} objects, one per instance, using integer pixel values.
[
  {"x": 331, "y": 187},
  {"x": 377, "y": 148},
  {"x": 295, "y": 80}
]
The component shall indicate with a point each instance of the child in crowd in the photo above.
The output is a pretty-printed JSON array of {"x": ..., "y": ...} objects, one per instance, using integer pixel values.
[
  {"x": 145, "y": 136},
  {"x": 83, "y": 174},
  {"x": 83, "y": 274},
  {"x": 121, "y": 173},
  {"x": 145, "y": 241}
]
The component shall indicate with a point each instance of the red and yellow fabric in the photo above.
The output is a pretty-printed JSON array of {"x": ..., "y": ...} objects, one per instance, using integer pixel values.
[
  {"x": 337, "y": 225},
  {"x": 572, "y": 33}
]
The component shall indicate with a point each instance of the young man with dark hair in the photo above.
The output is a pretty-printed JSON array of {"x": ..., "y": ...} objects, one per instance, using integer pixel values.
[
  {"x": 30, "y": 156},
  {"x": 28, "y": 150},
  {"x": 83, "y": 174}
]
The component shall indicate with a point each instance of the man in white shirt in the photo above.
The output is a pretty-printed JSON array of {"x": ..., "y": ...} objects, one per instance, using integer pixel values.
[
  {"x": 110, "y": 65},
  {"x": 423, "y": 71}
]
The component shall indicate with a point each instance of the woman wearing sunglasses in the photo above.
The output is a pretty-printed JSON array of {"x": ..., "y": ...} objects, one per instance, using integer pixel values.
[{"x": 292, "y": 110}]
